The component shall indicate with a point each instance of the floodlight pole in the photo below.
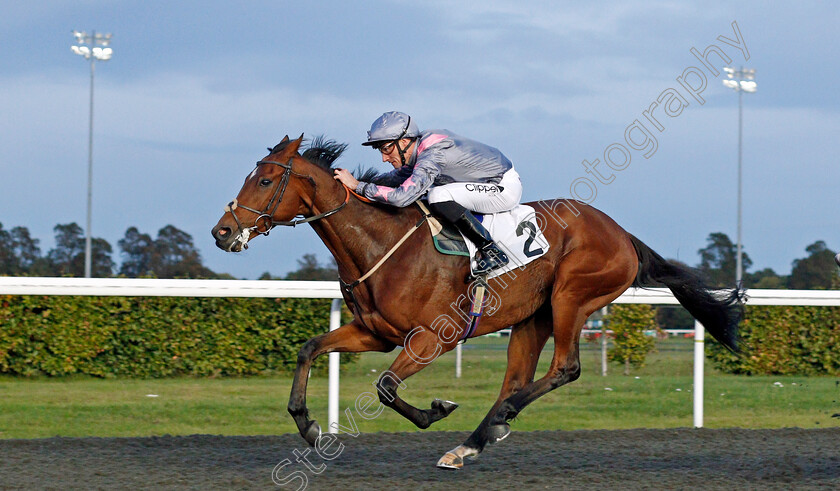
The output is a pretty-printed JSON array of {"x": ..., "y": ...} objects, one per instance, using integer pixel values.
[
  {"x": 740, "y": 80},
  {"x": 93, "y": 47},
  {"x": 739, "y": 266},
  {"x": 88, "y": 247}
]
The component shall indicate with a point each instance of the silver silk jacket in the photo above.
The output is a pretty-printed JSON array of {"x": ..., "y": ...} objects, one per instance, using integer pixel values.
[{"x": 440, "y": 157}]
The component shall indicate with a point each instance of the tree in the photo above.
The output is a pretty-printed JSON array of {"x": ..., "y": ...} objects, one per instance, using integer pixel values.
[
  {"x": 815, "y": 271},
  {"x": 25, "y": 248},
  {"x": 628, "y": 324},
  {"x": 8, "y": 260},
  {"x": 718, "y": 260},
  {"x": 102, "y": 266},
  {"x": 171, "y": 255},
  {"x": 18, "y": 251},
  {"x": 174, "y": 255},
  {"x": 68, "y": 255},
  {"x": 674, "y": 317},
  {"x": 765, "y": 278},
  {"x": 310, "y": 269},
  {"x": 137, "y": 253}
]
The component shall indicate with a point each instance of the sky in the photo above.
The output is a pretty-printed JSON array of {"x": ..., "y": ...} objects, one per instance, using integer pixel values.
[{"x": 196, "y": 91}]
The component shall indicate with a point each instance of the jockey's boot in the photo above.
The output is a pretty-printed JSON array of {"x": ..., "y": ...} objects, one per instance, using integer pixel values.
[{"x": 489, "y": 256}]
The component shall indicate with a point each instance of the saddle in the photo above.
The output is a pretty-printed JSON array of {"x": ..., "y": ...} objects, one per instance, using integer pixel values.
[
  {"x": 516, "y": 232},
  {"x": 447, "y": 238}
]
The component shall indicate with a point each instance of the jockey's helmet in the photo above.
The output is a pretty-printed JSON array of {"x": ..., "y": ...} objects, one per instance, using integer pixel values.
[{"x": 391, "y": 126}]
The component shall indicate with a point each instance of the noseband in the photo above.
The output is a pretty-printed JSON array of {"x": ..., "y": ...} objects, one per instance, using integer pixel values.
[{"x": 265, "y": 218}]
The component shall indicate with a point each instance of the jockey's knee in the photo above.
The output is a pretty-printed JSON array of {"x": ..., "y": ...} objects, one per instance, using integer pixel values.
[
  {"x": 440, "y": 194},
  {"x": 450, "y": 210}
]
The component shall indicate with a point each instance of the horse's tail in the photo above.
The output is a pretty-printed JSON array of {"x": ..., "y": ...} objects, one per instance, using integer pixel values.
[{"x": 719, "y": 314}]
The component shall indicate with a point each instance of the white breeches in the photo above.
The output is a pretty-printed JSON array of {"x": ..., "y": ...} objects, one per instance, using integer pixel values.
[{"x": 481, "y": 197}]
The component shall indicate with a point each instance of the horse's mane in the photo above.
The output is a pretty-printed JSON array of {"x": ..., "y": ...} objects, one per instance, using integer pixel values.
[{"x": 323, "y": 152}]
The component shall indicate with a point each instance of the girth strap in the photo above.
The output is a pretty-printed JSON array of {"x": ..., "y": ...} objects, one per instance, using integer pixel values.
[{"x": 348, "y": 287}]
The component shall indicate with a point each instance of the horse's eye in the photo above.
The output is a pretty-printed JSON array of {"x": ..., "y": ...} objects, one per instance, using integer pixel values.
[{"x": 265, "y": 182}]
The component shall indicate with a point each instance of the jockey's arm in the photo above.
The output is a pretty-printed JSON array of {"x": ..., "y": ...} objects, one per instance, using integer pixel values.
[
  {"x": 409, "y": 191},
  {"x": 393, "y": 178}
]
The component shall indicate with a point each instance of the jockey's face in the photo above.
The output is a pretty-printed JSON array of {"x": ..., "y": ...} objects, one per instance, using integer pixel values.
[{"x": 391, "y": 154}]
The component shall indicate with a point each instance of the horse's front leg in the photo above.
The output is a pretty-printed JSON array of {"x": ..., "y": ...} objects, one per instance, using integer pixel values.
[
  {"x": 421, "y": 348},
  {"x": 526, "y": 342},
  {"x": 350, "y": 338}
]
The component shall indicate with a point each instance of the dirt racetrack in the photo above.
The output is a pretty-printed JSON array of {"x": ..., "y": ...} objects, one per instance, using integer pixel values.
[{"x": 627, "y": 459}]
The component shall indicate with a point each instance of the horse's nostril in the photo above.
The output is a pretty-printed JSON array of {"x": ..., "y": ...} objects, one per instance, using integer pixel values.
[{"x": 221, "y": 233}]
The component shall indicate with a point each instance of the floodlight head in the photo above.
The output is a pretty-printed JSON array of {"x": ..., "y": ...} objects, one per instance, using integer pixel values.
[
  {"x": 740, "y": 80},
  {"x": 102, "y": 39},
  {"x": 81, "y": 50},
  {"x": 102, "y": 54},
  {"x": 92, "y": 45}
]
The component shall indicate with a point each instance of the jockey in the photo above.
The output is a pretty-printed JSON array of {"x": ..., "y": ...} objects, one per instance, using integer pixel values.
[{"x": 459, "y": 174}]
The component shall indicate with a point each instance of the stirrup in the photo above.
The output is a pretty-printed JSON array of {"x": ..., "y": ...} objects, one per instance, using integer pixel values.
[{"x": 487, "y": 259}]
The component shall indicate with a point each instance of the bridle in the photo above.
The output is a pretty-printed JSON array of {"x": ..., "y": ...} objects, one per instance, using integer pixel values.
[{"x": 265, "y": 218}]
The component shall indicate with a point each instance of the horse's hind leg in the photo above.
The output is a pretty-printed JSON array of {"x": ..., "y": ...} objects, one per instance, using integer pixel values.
[
  {"x": 564, "y": 368},
  {"x": 566, "y": 320},
  {"x": 583, "y": 285},
  {"x": 569, "y": 316},
  {"x": 527, "y": 340},
  {"x": 347, "y": 338},
  {"x": 421, "y": 349}
]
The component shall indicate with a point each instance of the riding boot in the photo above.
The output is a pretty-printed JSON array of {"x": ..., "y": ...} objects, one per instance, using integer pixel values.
[{"x": 489, "y": 256}]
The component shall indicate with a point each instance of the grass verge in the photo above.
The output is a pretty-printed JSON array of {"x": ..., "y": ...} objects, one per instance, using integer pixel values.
[{"x": 656, "y": 396}]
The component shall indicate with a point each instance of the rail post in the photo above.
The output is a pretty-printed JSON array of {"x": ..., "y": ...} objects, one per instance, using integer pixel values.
[
  {"x": 604, "y": 312},
  {"x": 699, "y": 357},
  {"x": 332, "y": 411},
  {"x": 458, "y": 355}
]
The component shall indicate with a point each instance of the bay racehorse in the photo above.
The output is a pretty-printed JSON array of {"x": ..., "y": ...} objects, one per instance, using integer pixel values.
[{"x": 417, "y": 298}]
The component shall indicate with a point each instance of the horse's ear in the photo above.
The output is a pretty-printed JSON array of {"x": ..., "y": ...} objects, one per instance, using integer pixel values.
[
  {"x": 295, "y": 144},
  {"x": 285, "y": 139}
]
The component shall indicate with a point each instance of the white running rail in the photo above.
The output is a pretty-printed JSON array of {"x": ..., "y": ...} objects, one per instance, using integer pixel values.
[{"x": 127, "y": 287}]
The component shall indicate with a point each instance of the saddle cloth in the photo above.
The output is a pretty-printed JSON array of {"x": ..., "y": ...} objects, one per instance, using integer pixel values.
[{"x": 516, "y": 232}]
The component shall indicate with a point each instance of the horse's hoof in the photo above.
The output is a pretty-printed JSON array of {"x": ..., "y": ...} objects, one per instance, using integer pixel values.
[
  {"x": 450, "y": 461},
  {"x": 312, "y": 433},
  {"x": 454, "y": 459},
  {"x": 444, "y": 407},
  {"x": 497, "y": 433}
]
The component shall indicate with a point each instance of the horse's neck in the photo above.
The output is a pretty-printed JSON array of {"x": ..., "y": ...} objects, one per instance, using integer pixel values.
[{"x": 358, "y": 235}]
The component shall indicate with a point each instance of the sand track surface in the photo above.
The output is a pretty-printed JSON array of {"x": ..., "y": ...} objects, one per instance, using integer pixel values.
[{"x": 626, "y": 459}]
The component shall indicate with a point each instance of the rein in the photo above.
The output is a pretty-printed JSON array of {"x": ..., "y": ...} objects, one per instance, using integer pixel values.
[{"x": 265, "y": 218}]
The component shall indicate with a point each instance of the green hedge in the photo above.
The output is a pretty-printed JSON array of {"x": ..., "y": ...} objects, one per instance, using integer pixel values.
[
  {"x": 785, "y": 341},
  {"x": 156, "y": 336},
  {"x": 628, "y": 322}
]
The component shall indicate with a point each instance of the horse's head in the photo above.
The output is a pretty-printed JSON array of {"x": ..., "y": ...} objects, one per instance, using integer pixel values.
[{"x": 274, "y": 193}]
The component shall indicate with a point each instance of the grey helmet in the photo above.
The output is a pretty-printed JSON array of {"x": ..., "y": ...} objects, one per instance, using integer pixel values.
[{"x": 391, "y": 126}]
